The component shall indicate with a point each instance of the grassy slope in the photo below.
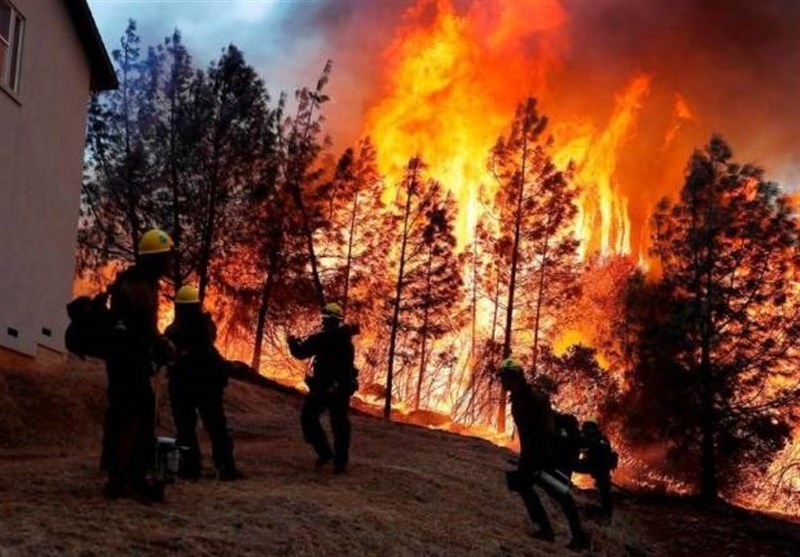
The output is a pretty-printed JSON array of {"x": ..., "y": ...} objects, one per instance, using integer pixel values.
[{"x": 410, "y": 491}]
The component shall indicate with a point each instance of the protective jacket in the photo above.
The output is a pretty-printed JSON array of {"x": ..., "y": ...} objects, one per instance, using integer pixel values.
[
  {"x": 533, "y": 417},
  {"x": 333, "y": 353},
  {"x": 196, "y": 357},
  {"x": 598, "y": 457},
  {"x": 134, "y": 338}
]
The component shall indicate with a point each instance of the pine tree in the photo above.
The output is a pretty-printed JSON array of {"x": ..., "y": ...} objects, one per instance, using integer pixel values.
[
  {"x": 728, "y": 325},
  {"x": 479, "y": 399},
  {"x": 536, "y": 206},
  {"x": 428, "y": 272},
  {"x": 304, "y": 143},
  {"x": 434, "y": 284},
  {"x": 230, "y": 98},
  {"x": 173, "y": 145},
  {"x": 353, "y": 211},
  {"x": 117, "y": 196},
  {"x": 271, "y": 202}
]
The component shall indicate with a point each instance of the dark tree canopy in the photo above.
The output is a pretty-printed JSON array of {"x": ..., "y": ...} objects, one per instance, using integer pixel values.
[{"x": 718, "y": 331}]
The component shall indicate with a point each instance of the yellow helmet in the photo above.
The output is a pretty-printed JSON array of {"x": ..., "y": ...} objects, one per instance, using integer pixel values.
[
  {"x": 332, "y": 310},
  {"x": 155, "y": 241},
  {"x": 509, "y": 369},
  {"x": 187, "y": 295},
  {"x": 510, "y": 364}
]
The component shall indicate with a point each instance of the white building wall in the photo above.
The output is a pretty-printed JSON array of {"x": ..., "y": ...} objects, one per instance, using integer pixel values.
[{"x": 42, "y": 132}]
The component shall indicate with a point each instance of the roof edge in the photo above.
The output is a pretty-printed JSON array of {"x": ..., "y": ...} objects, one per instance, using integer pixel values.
[{"x": 102, "y": 75}]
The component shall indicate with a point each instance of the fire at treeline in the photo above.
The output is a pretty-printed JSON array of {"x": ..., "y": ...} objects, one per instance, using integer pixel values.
[{"x": 687, "y": 352}]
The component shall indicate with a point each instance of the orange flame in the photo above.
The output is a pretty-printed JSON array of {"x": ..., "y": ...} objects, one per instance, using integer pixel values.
[
  {"x": 452, "y": 82},
  {"x": 446, "y": 99}
]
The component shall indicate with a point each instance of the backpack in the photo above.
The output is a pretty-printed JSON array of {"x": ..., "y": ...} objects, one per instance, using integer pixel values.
[
  {"x": 90, "y": 325},
  {"x": 566, "y": 448},
  {"x": 607, "y": 456}
]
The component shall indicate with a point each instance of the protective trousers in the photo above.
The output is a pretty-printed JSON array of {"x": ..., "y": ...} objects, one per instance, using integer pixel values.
[
  {"x": 187, "y": 401},
  {"x": 537, "y": 512},
  {"x": 602, "y": 481},
  {"x": 338, "y": 406},
  {"x": 129, "y": 434}
]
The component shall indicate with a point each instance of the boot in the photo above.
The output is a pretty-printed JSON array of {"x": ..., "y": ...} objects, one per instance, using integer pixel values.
[
  {"x": 579, "y": 543},
  {"x": 229, "y": 474},
  {"x": 545, "y": 534}
]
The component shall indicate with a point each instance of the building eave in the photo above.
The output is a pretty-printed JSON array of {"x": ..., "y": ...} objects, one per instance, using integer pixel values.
[{"x": 102, "y": 74}]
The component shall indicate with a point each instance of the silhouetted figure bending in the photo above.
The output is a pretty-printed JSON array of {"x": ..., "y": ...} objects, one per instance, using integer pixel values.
[{"x": 533, "y": 417}]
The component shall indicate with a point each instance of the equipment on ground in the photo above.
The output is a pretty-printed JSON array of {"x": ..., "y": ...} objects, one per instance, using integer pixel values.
[{"x": 167, "y": 461}]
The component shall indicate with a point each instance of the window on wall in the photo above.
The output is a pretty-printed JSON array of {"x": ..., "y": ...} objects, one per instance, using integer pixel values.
[{"x": 12, "y": 29}]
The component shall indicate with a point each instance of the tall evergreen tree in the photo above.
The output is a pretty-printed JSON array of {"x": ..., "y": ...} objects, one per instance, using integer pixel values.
[
  {"x": 353, "y": 211},
  {"x": 725, "y": 336},
  {"x": 304, "y": 142},
  {"x": 231, "y": 100},
  {"x": 428, "y": 272},
  {"x": 435, "y": 286},
  {"x": 173, "y": 145},
  {"x": 117, "y": 197},
  {"x": 536, "y": 206}
]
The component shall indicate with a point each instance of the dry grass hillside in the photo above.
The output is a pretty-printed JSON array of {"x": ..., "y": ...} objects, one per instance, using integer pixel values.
[{"x": 409, "y": 491}]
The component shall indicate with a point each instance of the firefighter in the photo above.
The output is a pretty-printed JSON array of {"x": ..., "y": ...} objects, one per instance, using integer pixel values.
[
  {"x": 197, "y": 381},
  {"x": 598, "y": 459},
  {"x": 136, "y": 350},
  {"x": 534, "y": 420},
  {"x": 330, "y": 386}
]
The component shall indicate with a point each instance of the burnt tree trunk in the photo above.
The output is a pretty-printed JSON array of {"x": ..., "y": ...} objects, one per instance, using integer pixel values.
[
  {"x": 387, "y": 408},
  {"x": 350, "y": 241},
  {"x": 425, "y": 319},
  {"x": 501, "y": 407},
  {"x": 263, "y": 308},
  {"x": 539, "y": 303}
]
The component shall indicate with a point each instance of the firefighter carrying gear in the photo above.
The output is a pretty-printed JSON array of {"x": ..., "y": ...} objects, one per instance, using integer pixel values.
[
  {"x": 134, "y": 347},
  {"x": 567, "y": 445},
  {"x": 197, "y": 381},
  {"x": 155, "y": 241},
  {"x": 332, "y": 383},
  {"x": 598, "y": 459},
  {"x": 534, "y": 419}
]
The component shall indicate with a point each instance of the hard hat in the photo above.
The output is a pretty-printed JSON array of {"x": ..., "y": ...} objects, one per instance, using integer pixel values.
[
  {"x": 510, "y": 364},
  {"x": 509, "y": 369},
  {"x": 155, "y": 241},
  {"x": 590, "y": 424},
  {"x": 187, "y": 295},
  {"x": 332, "y": 311}
]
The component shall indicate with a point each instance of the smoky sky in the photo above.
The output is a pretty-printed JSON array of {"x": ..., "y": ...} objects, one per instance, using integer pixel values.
[{"x": 737, "y": 62}]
